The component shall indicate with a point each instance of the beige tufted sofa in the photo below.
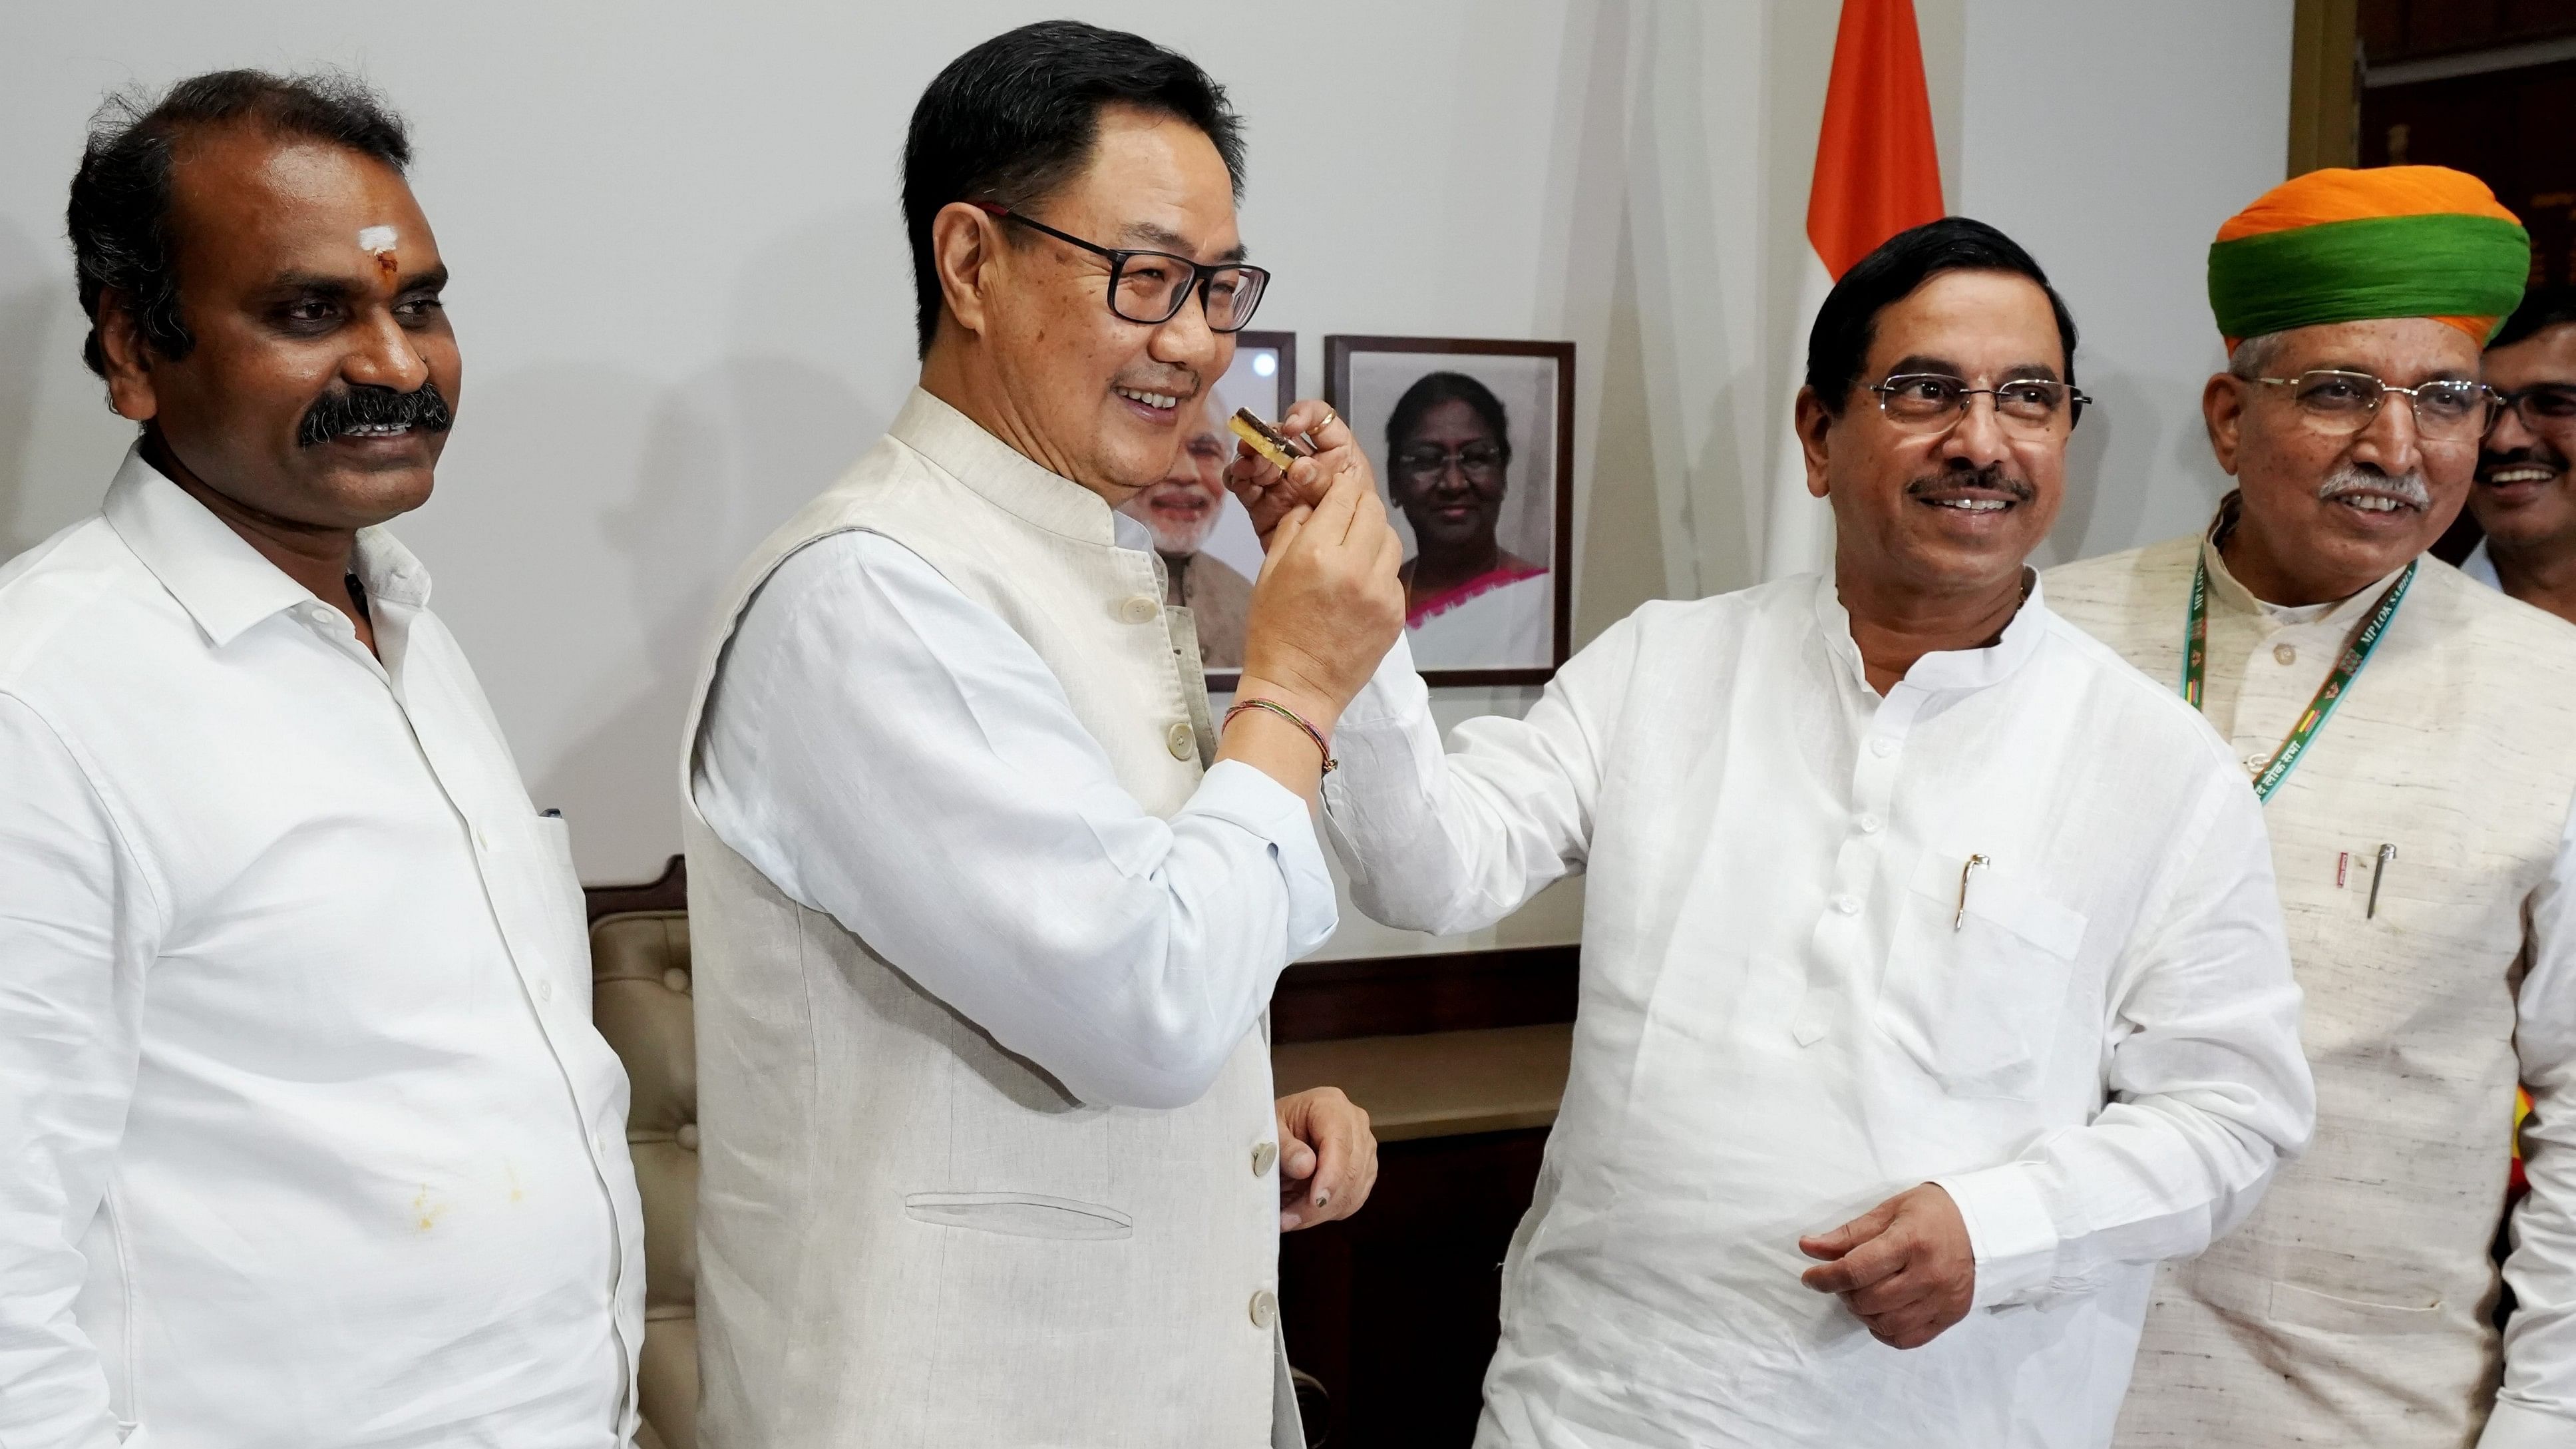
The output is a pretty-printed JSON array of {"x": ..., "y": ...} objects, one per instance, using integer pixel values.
[{"x": 639, "y": 970}]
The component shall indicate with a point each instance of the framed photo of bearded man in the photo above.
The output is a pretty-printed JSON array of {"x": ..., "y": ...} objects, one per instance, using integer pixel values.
[
  {"x": 1209, "y": 551},
  {"x": 1472, "y": 440}
]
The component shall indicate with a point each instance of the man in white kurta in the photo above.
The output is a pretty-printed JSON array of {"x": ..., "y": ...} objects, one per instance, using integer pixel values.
[
  {"x": 2425, "y": 845},
  {"x": 1998, "y": 920}
]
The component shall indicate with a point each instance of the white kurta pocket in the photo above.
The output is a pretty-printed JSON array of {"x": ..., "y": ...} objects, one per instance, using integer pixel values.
[{"x": 1976, "y": 994}]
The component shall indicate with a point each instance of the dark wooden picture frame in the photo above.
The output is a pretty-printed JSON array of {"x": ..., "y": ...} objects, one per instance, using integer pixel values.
[{"x": 1338, "y": 352}]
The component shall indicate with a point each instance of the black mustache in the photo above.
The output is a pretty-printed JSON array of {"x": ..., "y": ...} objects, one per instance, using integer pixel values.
[
  {"x": 342, "y": 410},
  {"x": 1990, "y": 476},
  {"x": 2540, "y": 457}
]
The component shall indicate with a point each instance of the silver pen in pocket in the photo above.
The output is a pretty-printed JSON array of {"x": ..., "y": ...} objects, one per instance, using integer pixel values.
[{"x": 1960, "y": 920}]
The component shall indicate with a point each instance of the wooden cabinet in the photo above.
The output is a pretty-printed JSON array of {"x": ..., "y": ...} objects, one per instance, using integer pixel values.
[{"x": 1395, "y": 1309}]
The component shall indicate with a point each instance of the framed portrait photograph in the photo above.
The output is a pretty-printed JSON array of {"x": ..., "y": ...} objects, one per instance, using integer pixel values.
[
  {"x": 1209, "y": 551},
  {"x": 1473, "y": 442}
]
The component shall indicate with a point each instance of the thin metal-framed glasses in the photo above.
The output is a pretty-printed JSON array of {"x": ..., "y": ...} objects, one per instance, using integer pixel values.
[
  {"x": 1934, "y": 402},
  {"x": 1151, "y": 287},
  {"x": 2543, "y": 407},
  {"x": 2447, "y": 409}
]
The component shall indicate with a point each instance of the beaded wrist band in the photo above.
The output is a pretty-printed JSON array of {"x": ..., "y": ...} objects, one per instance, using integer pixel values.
[{"x": 1289, "y": 715}]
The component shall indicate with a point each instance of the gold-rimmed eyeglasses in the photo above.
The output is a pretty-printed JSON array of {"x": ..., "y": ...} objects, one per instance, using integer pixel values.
[
  {"x": 2447, "y": 410},
  {"x": 1934, "y": 402}
]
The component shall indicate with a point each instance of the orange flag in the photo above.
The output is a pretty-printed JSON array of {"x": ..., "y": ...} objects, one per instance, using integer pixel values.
[{"x": 1877, "y": 173}]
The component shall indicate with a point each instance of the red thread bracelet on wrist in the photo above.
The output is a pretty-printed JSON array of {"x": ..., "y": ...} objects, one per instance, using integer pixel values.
[{"x": 1284, "y": 712}]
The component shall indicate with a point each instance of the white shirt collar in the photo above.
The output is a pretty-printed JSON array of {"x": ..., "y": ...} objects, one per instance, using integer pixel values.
[
  {"x": 2225, "y": 592},
  {"x": 1952, "y": 669},
  {"x": 224, "y": 583},
  {"x": 2480, "y": 565}
]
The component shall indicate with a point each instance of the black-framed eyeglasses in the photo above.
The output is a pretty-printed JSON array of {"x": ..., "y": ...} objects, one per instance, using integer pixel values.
[
  {"x": 1934, "y": 402},
  {"x": 1150, "y": 287},
  {"x": 2447, "y": 409},
  {"x": 2543, "y": 407}
]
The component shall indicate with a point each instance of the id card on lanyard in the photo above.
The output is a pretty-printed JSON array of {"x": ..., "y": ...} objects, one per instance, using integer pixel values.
[{"x": 2195, "y": 670}]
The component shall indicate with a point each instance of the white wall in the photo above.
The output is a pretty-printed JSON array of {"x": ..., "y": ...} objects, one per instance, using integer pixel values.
[
  {"x": 2111, "y": 140},
  {"x": 685, "y": 303}
]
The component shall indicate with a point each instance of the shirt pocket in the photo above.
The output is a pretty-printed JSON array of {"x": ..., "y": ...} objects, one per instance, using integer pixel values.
[{"x": 1976, "y": 995}]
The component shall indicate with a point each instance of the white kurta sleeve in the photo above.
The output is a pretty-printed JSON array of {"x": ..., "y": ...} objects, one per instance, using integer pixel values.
[
  {"x": 73, "y": 914},
  {"x": 889, "y": 752},
  {"x": 2537, "y": 1405},
  {"x": 1457, "y": 841},
  {"x": 2209, "y": 1089}
]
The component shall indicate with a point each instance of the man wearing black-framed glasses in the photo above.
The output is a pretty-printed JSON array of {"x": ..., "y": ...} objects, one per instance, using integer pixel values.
[
  {"x": 987, "y": 908},
  {"x": 2525, "y": 498}
]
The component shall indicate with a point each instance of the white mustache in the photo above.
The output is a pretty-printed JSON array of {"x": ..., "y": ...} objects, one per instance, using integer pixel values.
[{"x": 2408, "y": 486}]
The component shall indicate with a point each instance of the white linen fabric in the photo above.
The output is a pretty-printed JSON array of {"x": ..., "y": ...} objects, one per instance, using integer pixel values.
[
  {"x": 1508, "y": 626},
  {"x": 1787, "y": 1015},
  {"x": 2355, "y": 1306},
  {"x": 308, "y": 1138},
  {"x": 983, "y": 955}
]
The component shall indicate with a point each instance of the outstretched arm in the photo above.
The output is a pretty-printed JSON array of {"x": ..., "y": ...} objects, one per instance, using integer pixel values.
[{"x": 1454, "y": 841}]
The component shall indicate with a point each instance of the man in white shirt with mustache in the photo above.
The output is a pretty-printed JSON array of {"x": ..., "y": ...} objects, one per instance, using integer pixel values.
[{"x": 1933, "y": 983}]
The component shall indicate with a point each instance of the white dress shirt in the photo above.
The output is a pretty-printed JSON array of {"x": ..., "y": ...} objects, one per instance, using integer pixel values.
[
  {"x": 2480, "y": 565},
  {"x": 1126, "y": 954},
  {"x": 306, "y": 1138},
  {"x": 1788, "y": 1014}
]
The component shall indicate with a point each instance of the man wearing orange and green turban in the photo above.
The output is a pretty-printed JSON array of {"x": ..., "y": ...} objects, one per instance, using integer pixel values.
[{"x": 2413, "y": 737}]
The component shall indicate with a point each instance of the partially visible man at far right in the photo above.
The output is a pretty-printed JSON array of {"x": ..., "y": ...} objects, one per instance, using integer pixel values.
[
  {"x": 2413, "y": 738},
  {"x": 2525, "y": 500}
]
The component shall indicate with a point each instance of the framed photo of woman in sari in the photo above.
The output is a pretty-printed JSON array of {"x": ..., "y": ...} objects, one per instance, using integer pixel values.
[{"x": 1473, "y": 442}]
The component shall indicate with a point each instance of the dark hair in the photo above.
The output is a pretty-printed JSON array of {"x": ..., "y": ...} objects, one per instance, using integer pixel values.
[
  {"x": 1838, "y": 346},
  {"x": 119, "y": 217},
  {"x": 2543, "y": 307},
  {"x": 1015, "y": 118},
  {"x": 1431, "y": 390}
]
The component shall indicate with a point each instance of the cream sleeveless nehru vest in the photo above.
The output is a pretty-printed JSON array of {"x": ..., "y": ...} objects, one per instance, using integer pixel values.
[{"x": 907, "y": 1235}]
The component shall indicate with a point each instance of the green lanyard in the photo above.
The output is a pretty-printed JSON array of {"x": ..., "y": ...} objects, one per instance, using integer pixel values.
[{"x": 2195, "y": 667}]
